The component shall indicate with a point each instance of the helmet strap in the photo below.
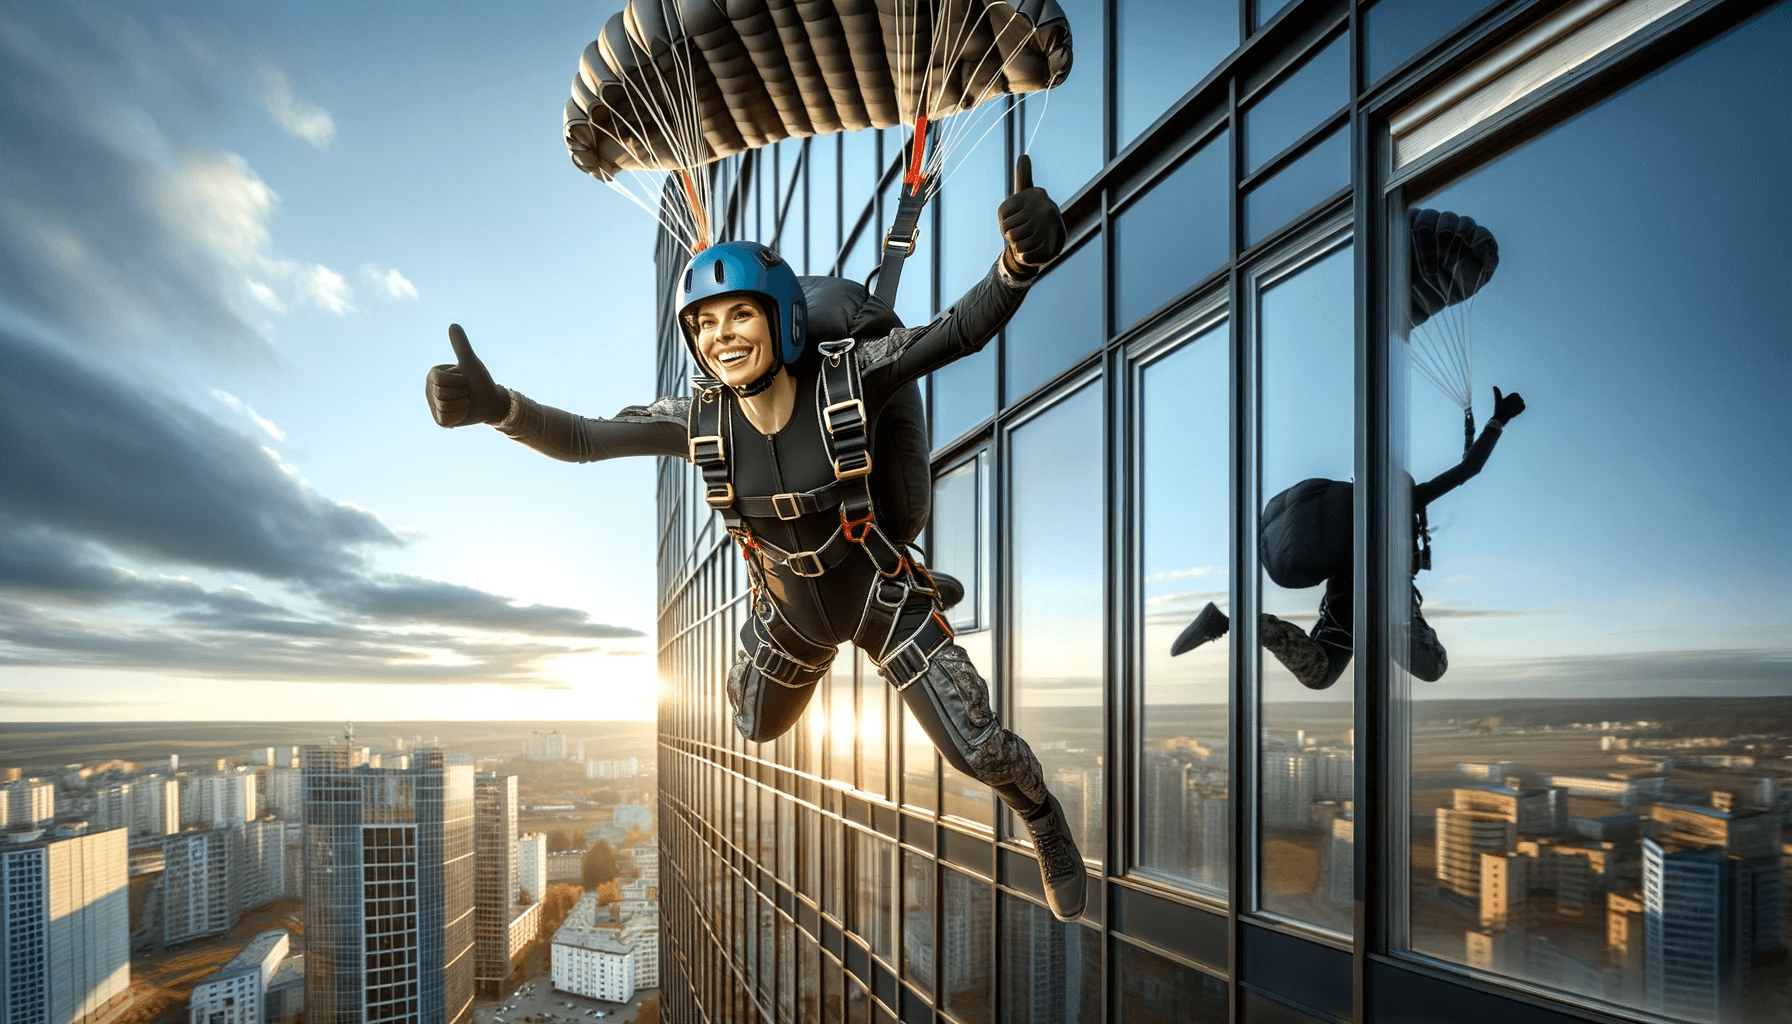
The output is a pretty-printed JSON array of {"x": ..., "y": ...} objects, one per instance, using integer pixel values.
[{"x": 764, "y": 380}]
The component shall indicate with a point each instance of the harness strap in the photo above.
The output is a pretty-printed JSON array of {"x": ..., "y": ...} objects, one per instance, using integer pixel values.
[
  {"x": 803, "y": 563},
  {"x": 905, "y": 230},
  {"x": 710, "y": 431},
  {"x": 909, "y": 661},
  {"x": 882, "y": 605},
  {"x": 793, "y": 505}
]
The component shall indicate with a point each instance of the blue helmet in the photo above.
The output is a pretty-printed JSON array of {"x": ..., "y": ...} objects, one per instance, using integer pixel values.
[{"x": 752, "y": 269}]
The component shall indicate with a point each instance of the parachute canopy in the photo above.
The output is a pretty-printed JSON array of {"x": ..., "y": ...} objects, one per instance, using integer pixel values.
[
  {"x": 673, "y": 85},
  {"x": 1453, "y": 258}
]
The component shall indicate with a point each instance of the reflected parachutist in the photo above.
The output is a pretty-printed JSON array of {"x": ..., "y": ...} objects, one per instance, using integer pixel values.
[{"x": 1304, "y": 540}]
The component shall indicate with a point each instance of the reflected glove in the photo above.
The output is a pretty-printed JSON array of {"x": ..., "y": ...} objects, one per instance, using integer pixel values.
[
  {"x": 463, "y": 392},
  {"x": 1506, "y": 407},
  {"x": 1031, "y": 224}
]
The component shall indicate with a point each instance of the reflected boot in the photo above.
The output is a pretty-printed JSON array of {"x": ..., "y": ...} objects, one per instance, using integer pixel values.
[
  {"x": 1211, "y": 624},
  {"x": 1060, "y": 863},
  {"x": 1297, "y": 652},
  {"x": 1333, "y": 634},
  {"x": 1426, "y": 658}
]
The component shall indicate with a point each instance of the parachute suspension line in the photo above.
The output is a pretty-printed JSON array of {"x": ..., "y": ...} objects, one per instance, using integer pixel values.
[
  {"x": 697, "y": 213},
  {"x": 918, "y": 145},
  {"x": 1044, "y": 105}
]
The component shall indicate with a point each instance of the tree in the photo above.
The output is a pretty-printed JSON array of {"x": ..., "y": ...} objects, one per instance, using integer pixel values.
[
  {"x": 599, "y": 865},
  {"x": 524, "y": 897},
  {"x": 609, "y": 892},
  {"x": 556, "y": 905}
]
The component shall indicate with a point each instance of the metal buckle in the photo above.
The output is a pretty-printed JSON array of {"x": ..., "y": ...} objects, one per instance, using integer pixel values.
[
  {"x": 780, "y": 500},
  {"x": 852, "y": 474},
  {"x": 721, "y": 456},
  {"x": 827, "y": 414},
  {"x": 719, "y": 500},
  {"x": 801, "y": 561},
  {"x": 906, "y": 248}
]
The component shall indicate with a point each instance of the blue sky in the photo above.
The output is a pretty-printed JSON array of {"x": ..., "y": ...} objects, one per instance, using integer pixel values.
[{"x": 231, "y": 242}]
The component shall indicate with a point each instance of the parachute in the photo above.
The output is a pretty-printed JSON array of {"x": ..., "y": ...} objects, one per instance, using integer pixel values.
[
  {"x": 1304, "y": 537},
  {"x": 671, "y": 86},
  {"x": 1453, "y": 258}
]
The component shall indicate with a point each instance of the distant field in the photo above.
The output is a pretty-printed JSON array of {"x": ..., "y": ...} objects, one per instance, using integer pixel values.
[{"x": 42, "y": 746}]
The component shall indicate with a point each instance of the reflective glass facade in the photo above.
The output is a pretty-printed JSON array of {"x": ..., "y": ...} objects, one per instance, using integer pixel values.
[{"x": 1549, "y": 780}]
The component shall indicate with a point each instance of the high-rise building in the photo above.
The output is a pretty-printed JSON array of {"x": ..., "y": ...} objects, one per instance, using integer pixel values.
[
  {"x": 1690, "y": 960},
  {"x": 388, "y": 888},
  {"x": 155, "y": 807},
  {"x": 532, "y": 865},
  {"x": 236, "y": 993},
  {"x": 112, "y": 806},
  {"x": 64, "y": 928},
  {"x": 494, "y": 879},
  {"x": 27, "y": 803},
  {"x": 201, "y": 884},
  {"x": 545, "y": 746},
  {"x": 281, "y": 792},
  {"x": 592, "y": 961}
]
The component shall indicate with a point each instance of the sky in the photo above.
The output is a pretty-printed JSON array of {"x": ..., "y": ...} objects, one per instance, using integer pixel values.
[{"x": 232, "y": 238}]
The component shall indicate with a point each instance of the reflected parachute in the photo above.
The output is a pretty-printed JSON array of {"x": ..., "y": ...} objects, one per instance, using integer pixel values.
[
  {"x": 1453, "y": 258},
  {"x": 671, "y": 86}
]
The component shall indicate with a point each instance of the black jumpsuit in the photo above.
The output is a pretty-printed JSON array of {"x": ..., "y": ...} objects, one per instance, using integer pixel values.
[{"x": 806, "y": 618}]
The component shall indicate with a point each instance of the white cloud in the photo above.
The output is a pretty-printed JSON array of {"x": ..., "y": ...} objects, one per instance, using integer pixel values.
[
  {"x": 217, "y": 198},
  {"x": 265, "y": 295},
  {"x": 297, "y": 116},
  {"x": 390, "y": 281},
  {"x": 326, "y": 288},
  {"x": 254, "y": 417}
]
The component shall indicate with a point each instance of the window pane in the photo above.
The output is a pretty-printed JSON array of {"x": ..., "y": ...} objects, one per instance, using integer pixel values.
[
  {"x": 965, "y": 947},
  {"x": 824, "y": 202},
  {"x": 1057, "y": 540},
  {"x": 1618, "y": 571},
  {"x": 1173, "y": 236},
  {"x": 1059, "y": 322},
  {"x": 1394, "y": 30},
  {"x": 793, "y": 234},
  {"x": 1298, "y": 187},
  {"x": 955, "y": 541},
  {"x": 1064, "y": 127},
  {"x": 1051, "y": 972},
  {"x": 1263, "y": 11},
  {"x": 920, "y": 771},
  {"x": 964, "y": 394},
  {"x": 874, "y": 910},
  {"x": 842, "y": 720},
  {"x": 1183, "y": 807},
  {"x": 858, "y": 175},
  {"x": 1295, "y": 107},
  {"x": 1166, "y": 48},
  {"x": 1154, "y": 990},
  {"x": 874, "y": 741},
  {"x": 1308, "y": 408},
  {"x": 917, "y": 920}
]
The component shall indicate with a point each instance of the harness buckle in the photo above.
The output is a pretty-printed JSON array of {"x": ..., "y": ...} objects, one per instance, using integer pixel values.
[
  {"x": 719, "y": 497},
  {"x": 706, "y": 440},
  {"x": 850, "y": 405},
  {"x": 790, "y": 501},
  {"x": 807, "y": 564},
  {"x": 844, "y": 470},
  {"x": 864, "y": 526},
  {"x": 904, "y": 246}
]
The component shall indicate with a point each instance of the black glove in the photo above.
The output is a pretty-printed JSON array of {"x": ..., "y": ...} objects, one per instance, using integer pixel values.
[
  {"x": 1031, "y": 224},
  {"x": 462, "y": 392},
  {"x": 1505, "y": 407}
]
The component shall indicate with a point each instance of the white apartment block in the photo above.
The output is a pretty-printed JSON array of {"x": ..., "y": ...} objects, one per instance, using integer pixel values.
[
  {"x": 591, "y": 963},
  {"x": 26, "y": 803},
  {"x": 236, "y": 993},
  {"x": 532, "y": 865},
  {"x": 155, "y": 807},
  {"x": 64, "y": 928},
  {"x": 641, "y": 930},
  {"x": 647, "y": 858}
]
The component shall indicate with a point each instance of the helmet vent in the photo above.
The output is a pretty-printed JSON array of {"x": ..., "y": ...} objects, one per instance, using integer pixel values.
[
  {"x": 721, "y": 272},
  {"x": 687, "y": 279}
]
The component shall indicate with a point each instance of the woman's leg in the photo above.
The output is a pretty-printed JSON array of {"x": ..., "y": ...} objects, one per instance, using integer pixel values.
[{"x": 767, "y": 687}]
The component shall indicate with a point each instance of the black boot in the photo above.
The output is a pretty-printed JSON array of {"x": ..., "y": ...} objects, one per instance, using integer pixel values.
[
  {"x": 1211, "y": 624},
  {"x": 1297, "y": 651},
  {"x": 1060, "y": 863}
]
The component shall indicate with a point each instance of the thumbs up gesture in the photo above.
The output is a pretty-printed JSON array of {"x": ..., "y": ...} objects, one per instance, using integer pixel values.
[
  {"x": 463, "y": 392},
  {"x": 1031, "y": 223}
]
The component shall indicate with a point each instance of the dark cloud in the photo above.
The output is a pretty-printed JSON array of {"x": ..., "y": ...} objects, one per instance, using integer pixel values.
[
  {"x": 412, "y": 599},
  {"x": 103, "y": 460}
]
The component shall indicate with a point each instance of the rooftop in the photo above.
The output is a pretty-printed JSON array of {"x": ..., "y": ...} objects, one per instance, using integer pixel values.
[{"x": 254, "y": 954}]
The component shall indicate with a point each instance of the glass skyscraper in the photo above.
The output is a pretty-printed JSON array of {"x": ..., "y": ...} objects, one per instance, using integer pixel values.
[
  {"x": 388, "y": 892},
  {"x": 1551, "y": 783}
]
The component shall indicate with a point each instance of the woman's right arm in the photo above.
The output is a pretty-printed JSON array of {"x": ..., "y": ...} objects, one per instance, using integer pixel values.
[
  {"x": 463, "y": 393},
  {"x": 657, "y": 429}
]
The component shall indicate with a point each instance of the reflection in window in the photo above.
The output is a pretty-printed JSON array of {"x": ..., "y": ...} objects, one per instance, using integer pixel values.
[
  {"x": 1051, "y": 972},
  {"x": 964, "y": 393},
  {"x": 917, "y": 920},
  {"x": 1183, "y": 811},
  {"x": 808, "y": 976},
  {"x": 1058, "y": 323},
  {"x": 1063, "y": 128},
  {"x": 1307, "y": 775},
  {"x": 824, "y": 202},
  {"x": 1611, "y": 587},
  {"x": 793, "y": 232},
  {"x": 1166, "y": 48},
  {"x": 1296, "y": 105},
  {"x": 1057, "y": 539},
  {"x": 964, "y": 947},
  {"x": 920, "y": 771},
  {"x": 842, "y": 720},
  {"x": 960, "y": 538},
  {"x": 1298, "y": 187},
  {"x": 1394, "y": 30},
  {"x": 1173, "y": 236},
  {"x": 1154, "y": 990},
  {"x": 874, "y": 743},
  {"x": 874, "y": 910}
]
